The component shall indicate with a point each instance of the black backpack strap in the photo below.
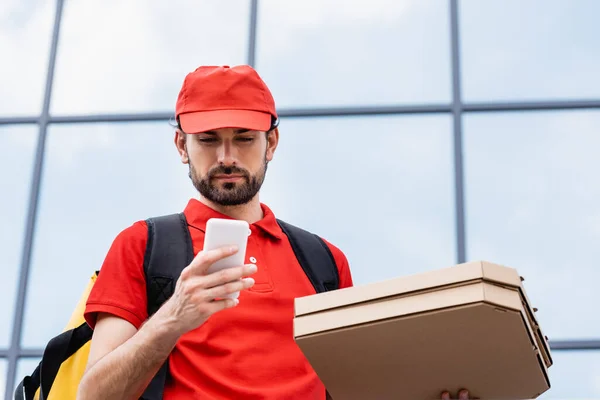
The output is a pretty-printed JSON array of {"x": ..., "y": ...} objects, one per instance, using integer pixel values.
[
  {"x": 314, "y": 257},
  {"x": 59, "y": 349},
  {"x": 168, "y": 251},
  {"x": 29, "y": 385}
]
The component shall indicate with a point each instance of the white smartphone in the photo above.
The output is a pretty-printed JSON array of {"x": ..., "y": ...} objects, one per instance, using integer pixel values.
[{"x": 226, "y": 232}]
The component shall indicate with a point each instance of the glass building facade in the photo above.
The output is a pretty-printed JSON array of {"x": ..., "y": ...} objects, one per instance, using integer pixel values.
[{"x": 414, "y": 135}]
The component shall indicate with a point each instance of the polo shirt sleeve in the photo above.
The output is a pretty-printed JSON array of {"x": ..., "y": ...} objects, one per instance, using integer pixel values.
[
  {"x": 120, "y": 288},
  {"x": 342, "y": 264}
]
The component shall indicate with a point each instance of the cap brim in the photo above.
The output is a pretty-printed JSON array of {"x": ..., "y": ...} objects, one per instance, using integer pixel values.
[{"x": 203, "y": 121}]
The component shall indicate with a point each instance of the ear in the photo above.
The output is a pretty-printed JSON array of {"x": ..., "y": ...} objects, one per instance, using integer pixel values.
[
  {"x": 180, "y": 143},
  {"x": 272, "y": 142}
]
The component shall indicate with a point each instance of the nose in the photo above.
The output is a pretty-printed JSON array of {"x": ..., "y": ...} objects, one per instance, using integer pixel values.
[{"x": 226, "y": 153}]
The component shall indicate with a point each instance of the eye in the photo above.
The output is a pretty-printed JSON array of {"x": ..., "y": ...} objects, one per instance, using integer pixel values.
[
  {"x": 207, "y": 140},
  {"x": 245, "y": 139}
]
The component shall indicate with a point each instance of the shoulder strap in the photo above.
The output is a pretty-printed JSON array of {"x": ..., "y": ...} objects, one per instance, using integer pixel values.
[
  {"x": 58, "y": 350},
  {"x": 168, "y": 251},
  {"x": 314, "y": 257}
]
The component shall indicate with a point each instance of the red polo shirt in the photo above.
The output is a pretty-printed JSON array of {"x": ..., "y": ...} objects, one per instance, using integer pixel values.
[{"x": 247, "y": 352}]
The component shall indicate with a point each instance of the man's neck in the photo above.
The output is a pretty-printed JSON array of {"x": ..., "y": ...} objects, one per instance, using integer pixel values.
[{"x": 250, "y": 212}]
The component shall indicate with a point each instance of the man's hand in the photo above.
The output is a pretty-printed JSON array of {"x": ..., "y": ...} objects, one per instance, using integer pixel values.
[
  {"x": 193, "y": 300},
  {"x": 462, "y": 394}
]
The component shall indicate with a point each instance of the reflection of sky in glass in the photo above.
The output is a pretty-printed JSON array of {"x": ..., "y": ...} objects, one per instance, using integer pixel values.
[
  {"x": 318, "y": 52},
  {"x": 525, "y": 50},
  {"x": 138, "y": 64},
  {"x": 97, "y": 181},
  {"x": 574, "y": 375},
  {"x": 532, "y": 199},
  {"x": 25, "y": 32},
  {"x": 17, "y": 149},
  {"x": 380, "y": 188}
]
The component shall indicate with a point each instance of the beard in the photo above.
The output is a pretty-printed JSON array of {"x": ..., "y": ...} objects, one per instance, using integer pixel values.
[{"x": 228, "y": 193}]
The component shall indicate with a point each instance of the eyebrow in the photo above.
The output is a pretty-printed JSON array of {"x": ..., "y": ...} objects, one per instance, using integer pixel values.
[{"x": 237, "y": 131}]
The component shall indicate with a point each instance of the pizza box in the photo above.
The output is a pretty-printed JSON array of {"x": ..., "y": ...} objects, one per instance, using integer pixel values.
[{"x": 467, "y": 326}]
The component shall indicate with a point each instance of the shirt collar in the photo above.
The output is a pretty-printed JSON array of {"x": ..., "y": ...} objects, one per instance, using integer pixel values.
[{"x": 197, "y": 213}]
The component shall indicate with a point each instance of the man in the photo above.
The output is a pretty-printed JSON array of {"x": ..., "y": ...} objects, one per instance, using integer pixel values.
[
  {"x": 217, "y": 349},
  {"x": 223, "y": 349}
]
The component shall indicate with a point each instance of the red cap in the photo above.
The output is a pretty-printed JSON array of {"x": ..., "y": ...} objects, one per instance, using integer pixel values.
[{"x": 224, "y": 97}]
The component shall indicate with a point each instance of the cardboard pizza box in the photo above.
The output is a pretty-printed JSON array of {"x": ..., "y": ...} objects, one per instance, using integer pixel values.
[{"x": 467, "y": 326}]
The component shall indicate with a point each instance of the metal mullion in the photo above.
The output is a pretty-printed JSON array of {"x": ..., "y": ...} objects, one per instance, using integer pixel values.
[
  {"x": 335, "y": 111},
  {"x": 31, "y": 353},
  {"x": 457, "y": 109},
  {"x": 531, "y": 106},
  {"x": 18, "y": 120},
  {"x": 573, "y": 344},
  {"x": 365, "y": 110},
  {"x": 141, "y": 117},
  {"x": 14, "y": 349},
  {"x": 4, "y": 353},
  {"x": 23, "y": 353},
  {"x": 252, "y": 33}
]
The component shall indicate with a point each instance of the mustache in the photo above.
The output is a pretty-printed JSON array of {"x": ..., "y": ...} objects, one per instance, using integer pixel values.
[{"x": 227, "y": 170}]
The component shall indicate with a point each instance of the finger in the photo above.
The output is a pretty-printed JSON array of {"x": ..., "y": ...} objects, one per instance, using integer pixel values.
[
  {"x": 204, "y": 259},
  {"x": 228, "y": 275},
  {"x": 463, "y": 394},
  {"x": 228, "y": 288},
  {"x": 194, "y": 285},
  {"x": 445, "y": 395},
  {"x": 220, "y": 305}
]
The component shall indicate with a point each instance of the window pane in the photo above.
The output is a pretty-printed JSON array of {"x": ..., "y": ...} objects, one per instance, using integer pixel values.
[
  {"x": 574, "y": 375},
  {"x": 17, "y": 151},
  {"x": 526, "y": 50},
  {"x": 532, "y": 203},
  {"x": 380, "y": 188},
  {"x": 25, "y": 33},
  {"x": 140, "y": 62},
  {"x": 325, "y": 53},
  {"x": 98, "y": 179}
]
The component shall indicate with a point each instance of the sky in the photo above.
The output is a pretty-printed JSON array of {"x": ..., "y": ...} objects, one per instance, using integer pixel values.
[{"x": 380, "y": 188}]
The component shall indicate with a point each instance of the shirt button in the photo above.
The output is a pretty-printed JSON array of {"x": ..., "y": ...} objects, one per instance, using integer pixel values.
[{"x": 253, "y": 260}]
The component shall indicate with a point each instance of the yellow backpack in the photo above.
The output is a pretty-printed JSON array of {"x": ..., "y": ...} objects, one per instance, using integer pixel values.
[
  {"x": 169, "y": 250},
  {"x": 75, "y": 339}
]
